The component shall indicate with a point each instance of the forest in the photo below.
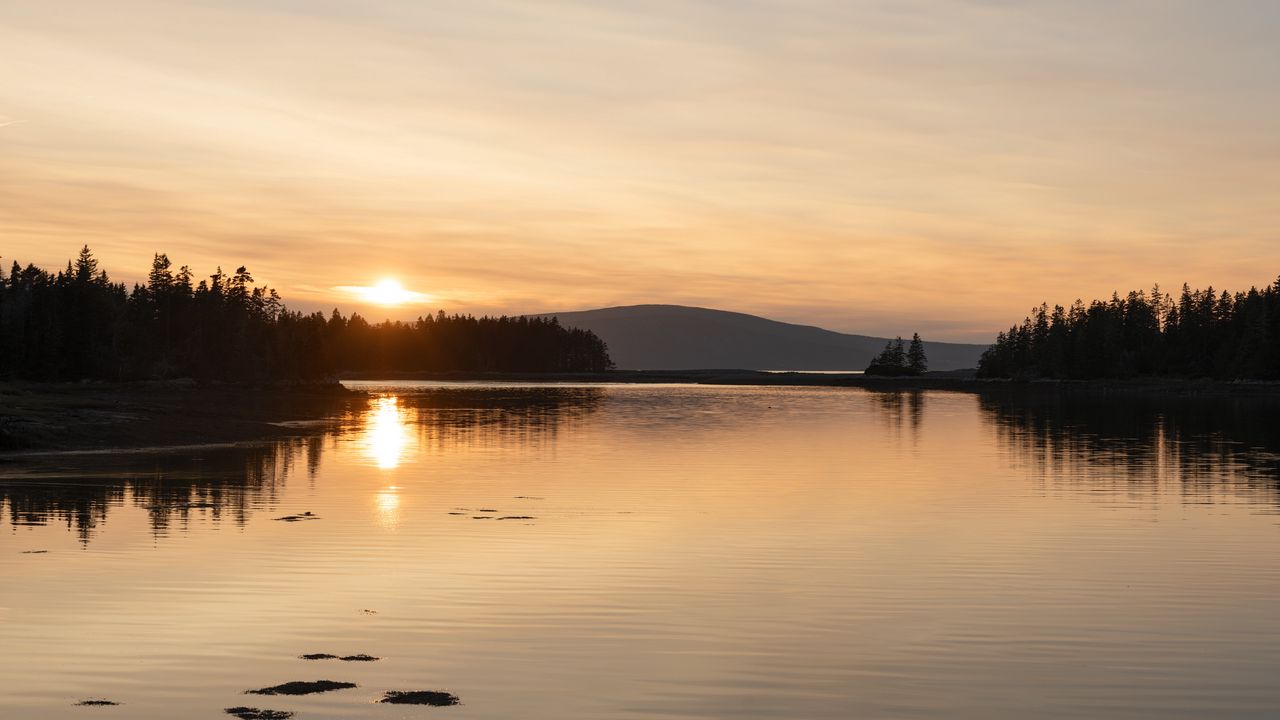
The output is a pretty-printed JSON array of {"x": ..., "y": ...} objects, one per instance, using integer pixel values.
[
  {"x": 76, "y": 324},
  {"x": 1195, "y": 334}
]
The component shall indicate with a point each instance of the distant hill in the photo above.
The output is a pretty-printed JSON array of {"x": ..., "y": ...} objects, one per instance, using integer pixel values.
[{"x": 675, "y": 337}]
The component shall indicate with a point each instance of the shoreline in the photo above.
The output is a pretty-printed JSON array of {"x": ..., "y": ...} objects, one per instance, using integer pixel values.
[
  {"x": 88, "y": 417},
  {"x": 661, "y": 377},
  {"x": 955, "y": 380},
  {"x": 40, "y": 418}
]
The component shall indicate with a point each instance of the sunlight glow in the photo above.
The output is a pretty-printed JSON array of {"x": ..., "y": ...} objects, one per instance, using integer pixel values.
[
  {"x": 386, "y": 433},
  {"x": 388, "y": 292}
]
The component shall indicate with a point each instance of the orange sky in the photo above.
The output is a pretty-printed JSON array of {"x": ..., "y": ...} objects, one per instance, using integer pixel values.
[{"x": 878, "y": 167}]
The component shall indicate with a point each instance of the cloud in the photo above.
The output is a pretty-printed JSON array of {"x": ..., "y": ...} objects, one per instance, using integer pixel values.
[{"x": 874, "y": 166}]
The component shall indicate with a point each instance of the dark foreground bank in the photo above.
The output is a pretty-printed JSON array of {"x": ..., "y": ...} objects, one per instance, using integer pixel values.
[{"x": 99, "y": 416}]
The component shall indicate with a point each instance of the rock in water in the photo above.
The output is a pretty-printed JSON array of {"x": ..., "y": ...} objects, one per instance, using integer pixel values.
[
  {"x": 248, "y": 713},
  {"x": 346, "y": 658},
  {"x": 420, "y": 697},
  {"x": 296, "y": 518},
  {"x": 302, "y": 687}
]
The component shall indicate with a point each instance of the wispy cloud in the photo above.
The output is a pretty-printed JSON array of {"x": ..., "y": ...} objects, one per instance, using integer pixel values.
[{"x": 870, "y": 166}]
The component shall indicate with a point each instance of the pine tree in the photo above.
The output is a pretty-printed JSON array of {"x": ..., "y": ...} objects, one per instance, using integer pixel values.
[
  {"x": 159, "y": 280},
  {"x": 917, "y": 363},
  {"x": 898, "y": 353},
  {"x": 86, "y": 267}
]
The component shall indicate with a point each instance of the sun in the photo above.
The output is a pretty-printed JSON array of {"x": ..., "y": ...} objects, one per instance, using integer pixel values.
[{"x": 387, "y": 292}]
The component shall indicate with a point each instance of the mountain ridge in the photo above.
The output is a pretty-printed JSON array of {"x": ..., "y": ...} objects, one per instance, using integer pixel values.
[{"x": 681, "y": 337}]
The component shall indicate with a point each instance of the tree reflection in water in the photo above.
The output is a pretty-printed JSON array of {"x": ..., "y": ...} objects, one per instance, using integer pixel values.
[
  {"x": 1209, "y": 447},
  {"x": 227, "y": 483},
  {"x": 900, "y": 408},
  {"x": 1206, "y": 449}
]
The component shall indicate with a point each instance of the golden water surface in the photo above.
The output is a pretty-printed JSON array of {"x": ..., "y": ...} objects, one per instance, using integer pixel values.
[{"x": 662, "y": 552}]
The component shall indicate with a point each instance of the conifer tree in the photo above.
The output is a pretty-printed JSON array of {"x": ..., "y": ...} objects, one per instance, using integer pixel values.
[{"x": 917, "y": 363}]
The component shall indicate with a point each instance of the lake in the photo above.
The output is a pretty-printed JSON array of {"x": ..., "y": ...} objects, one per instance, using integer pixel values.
[{"x": 664, "y": 551}]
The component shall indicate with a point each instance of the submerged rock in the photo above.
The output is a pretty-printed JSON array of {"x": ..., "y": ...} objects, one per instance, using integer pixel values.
[
  {"x": 435, "y": 698},
  {"x": 248, "y": 713},
  {"x": 345, "y": 658},
  {"x": 517, "y": 517},
  {"x": 34, "y": 552},
  {"x": 96, "y": 703},
  {"x": 295, "y": 518},
  {"x": 302, "y": 687}
]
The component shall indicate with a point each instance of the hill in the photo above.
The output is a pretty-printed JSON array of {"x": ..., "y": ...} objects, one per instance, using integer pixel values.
[{"x": 675, "y": 337}]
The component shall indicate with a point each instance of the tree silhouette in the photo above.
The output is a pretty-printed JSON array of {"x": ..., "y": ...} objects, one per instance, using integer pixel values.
[
  {"x": 77, "y": 324},
  {"x": 917, "y": 362},
  {"x": 1198, "y": 334},
  {"x": 897, "y": 360}
]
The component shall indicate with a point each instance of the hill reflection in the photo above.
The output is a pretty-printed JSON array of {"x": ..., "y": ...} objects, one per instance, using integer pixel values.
[{"x": 230, "y": 483}]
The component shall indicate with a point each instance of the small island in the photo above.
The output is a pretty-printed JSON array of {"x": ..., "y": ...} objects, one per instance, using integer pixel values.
[{"x": 898, "y": 360}]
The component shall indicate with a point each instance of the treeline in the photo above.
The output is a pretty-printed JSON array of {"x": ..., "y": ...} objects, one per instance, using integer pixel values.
[
  {"x": 77, "y": 324},
  {"x": 1196, "y": 334}
]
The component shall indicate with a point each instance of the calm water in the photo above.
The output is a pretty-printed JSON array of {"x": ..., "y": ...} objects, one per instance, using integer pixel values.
[{"x": 690, "y": 552}]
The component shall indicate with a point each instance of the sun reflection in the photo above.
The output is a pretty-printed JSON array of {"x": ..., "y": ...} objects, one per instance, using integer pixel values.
[
  {"x": 387, "y": 501},
  {"x": 386, "y": 432}
]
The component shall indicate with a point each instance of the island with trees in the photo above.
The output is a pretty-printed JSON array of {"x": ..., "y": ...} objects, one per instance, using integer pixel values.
[{"x": 900, "y": 360}]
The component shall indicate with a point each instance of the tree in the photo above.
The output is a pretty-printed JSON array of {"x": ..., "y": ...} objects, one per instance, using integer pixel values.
[
  {"x": 916, "y": 360},
  {"x": 160, "y": 279},
  {"x": 86, "y": 267},
  {"x": 898, "y": 353}
]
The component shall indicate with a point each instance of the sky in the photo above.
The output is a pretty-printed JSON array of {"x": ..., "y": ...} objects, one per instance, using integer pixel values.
[{"x": 870, "y": 166}]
